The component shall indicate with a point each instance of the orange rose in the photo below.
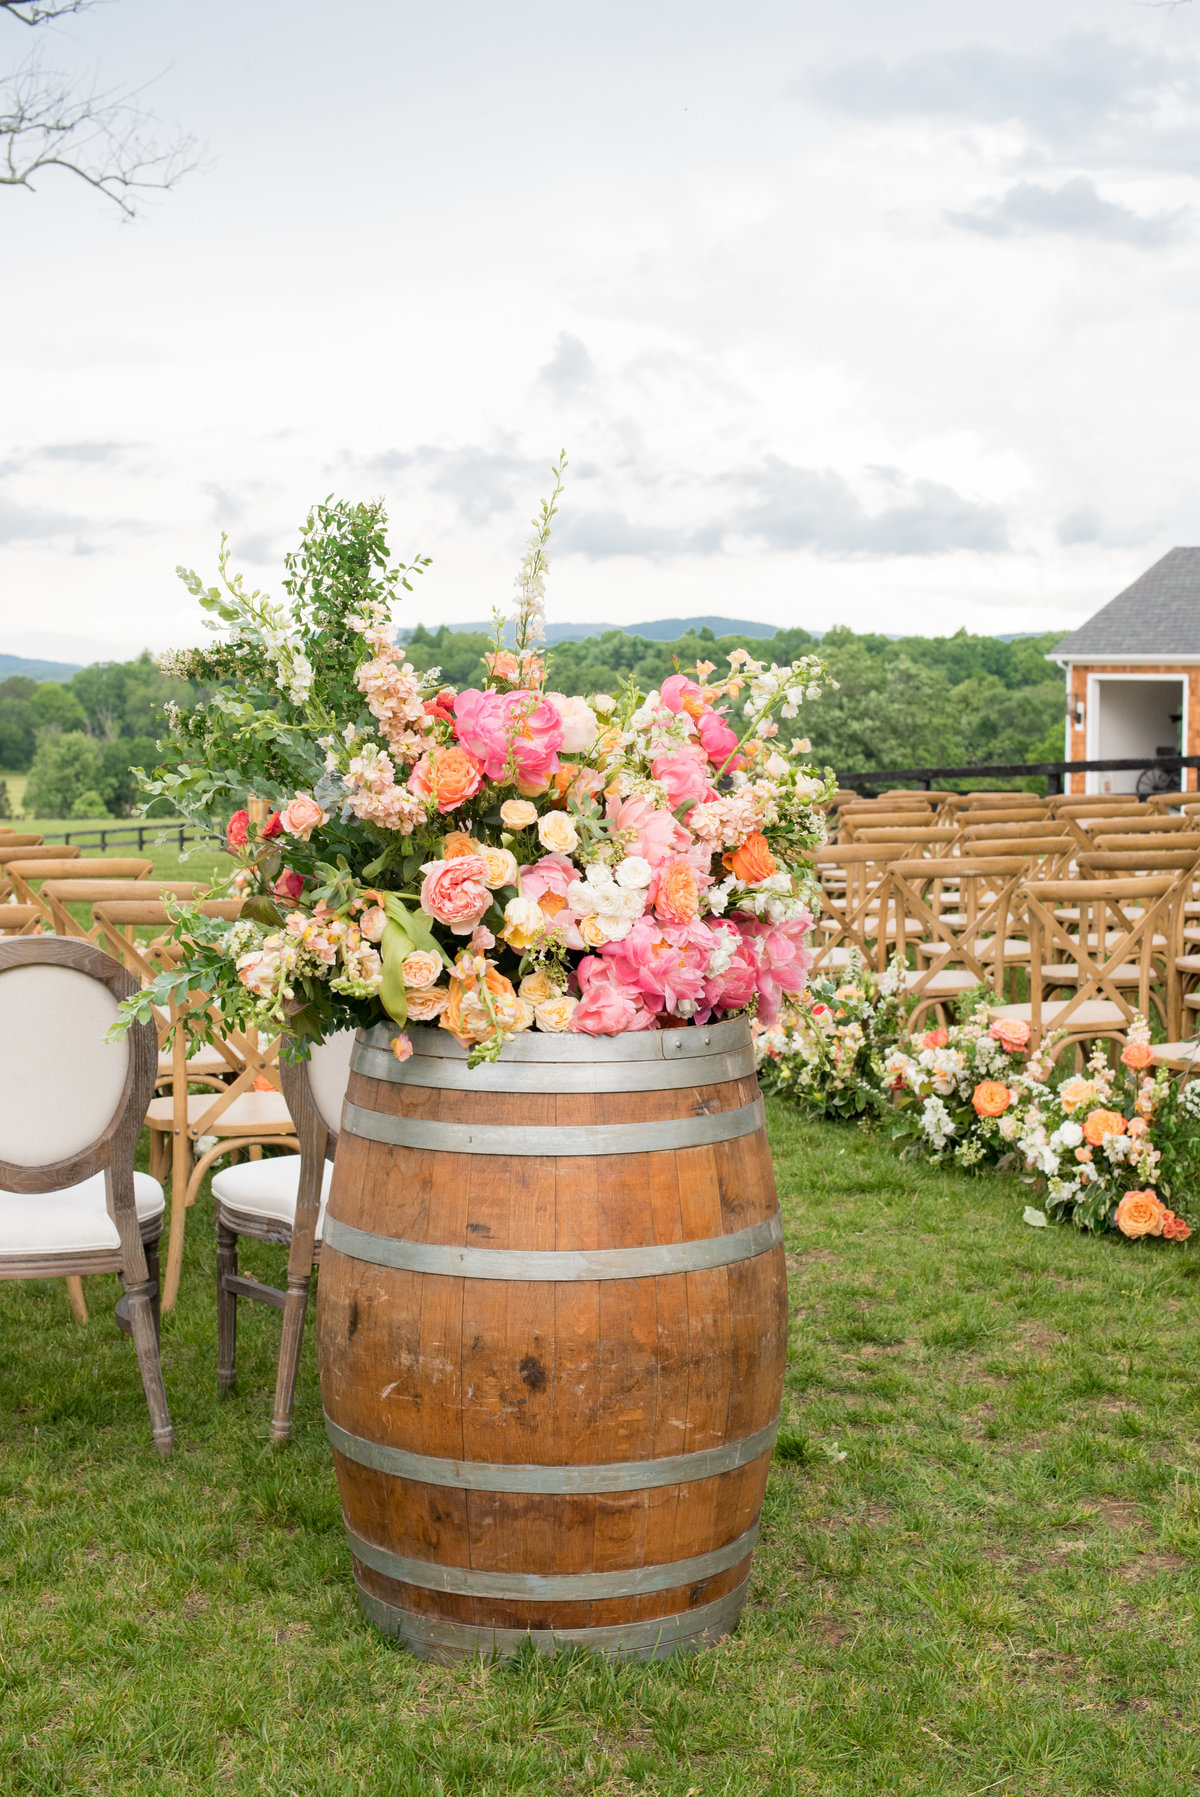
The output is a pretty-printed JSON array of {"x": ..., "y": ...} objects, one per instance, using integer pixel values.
[
  {"x": 1174, "y": 1228},
  {"x": 1012, "y": 1033},
  {"x": 677, "y": 897},
  {"x": 1138, "y": 1055},
  {"x": 447, "y": 776},
  {"x": 1101, "y": 1124},
  {"x": 1139, "y": 1213},
  {"x": 753, "y": 861},
  {"x": 465, "y": 1015},
  {"x": 935, "y": 1038},
  {"x": 457, "y": 844},
  {"x": 991, "y": 1098}
]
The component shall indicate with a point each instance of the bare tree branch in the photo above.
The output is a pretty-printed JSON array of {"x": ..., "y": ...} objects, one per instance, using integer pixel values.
[
  {"x": 36, "y": 12},
  {"x": 105, "y": 137}
]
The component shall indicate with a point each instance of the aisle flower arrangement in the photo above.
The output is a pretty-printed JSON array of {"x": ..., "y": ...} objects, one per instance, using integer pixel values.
[
  {"x": 490, "y": 859},
  {"x": 1110, "y": 1148}
]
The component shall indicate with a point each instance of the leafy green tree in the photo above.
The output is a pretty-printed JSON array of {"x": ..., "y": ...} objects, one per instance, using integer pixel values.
[
  {"x": 65, "y": 767},
  {"x": 88, "y": 804},
  {"x": 119, "y": 761},
  {"x": 18, "y": 686},
  {"x": 57, "y": 707},
  {"x": 18, "y": 733}
]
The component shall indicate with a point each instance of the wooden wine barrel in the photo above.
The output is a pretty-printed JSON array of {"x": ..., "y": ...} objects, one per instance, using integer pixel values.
[{"x": 552, "y": 1322}]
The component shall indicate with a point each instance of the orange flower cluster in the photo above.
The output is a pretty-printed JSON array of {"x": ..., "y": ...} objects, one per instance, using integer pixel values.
[
  {"x": 991, "y": 1098},
  {"x": 1144, "y": 1213}
]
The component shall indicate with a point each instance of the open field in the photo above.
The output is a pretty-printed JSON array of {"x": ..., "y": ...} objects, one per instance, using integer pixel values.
[{"x": 996, "y": 1589}]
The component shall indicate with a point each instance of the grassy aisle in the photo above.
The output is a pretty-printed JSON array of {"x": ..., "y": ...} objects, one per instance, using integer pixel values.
[{"x": 996, "y": 1589}]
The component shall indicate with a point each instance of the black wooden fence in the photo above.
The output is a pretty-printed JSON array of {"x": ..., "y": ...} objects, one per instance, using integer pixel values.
[{"x": 1054, "y": 772}]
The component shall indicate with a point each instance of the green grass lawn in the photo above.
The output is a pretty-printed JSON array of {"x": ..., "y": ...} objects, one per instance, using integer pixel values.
[{"x": 978, "y": 1569}]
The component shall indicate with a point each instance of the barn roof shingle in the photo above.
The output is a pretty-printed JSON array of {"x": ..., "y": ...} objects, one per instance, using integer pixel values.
[{"x": 1158, "y": 615}]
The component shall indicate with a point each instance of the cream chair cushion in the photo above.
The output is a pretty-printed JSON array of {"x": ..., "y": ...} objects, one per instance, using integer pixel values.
[
  {"x": 268, "y": 1189},
  {"x": 328, "y": 1075},
  {"x": 74, "y": 1220},
  {"x": 63, "y": 1083}
]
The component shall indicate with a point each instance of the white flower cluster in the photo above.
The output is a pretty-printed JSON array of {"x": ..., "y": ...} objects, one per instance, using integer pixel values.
[
  {"x": 800, "y": 681},
  {"x": 772, "y": 898},
  {"x": 615, "y": 898},
  {"x": 1191, "y": 1099},
  {"x": 937, "y": 1122}
]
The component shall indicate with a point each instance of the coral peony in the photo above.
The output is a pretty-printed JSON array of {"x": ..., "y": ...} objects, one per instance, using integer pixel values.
[
  {"x": 237, "y": 830},
  {"x": 515, "y": 735},
  {"x": 1174, "y": 1228},
  {"x": 719, "y": 743},
  {"x": 649, "y": 833},
  {"x": 447, "y": 776},
  {"x": 1103, "y": 1123},
  {"x": 753, "y": 862},
  {"x": 455, "y": 893},
  {"x": 935, "y": 1038},
  {"x": 782, "y": 959},
  {"x": 1140, "y": 1213},
  {"x": 609, "y": 1005},
  {"x": 667, "y": 963},
  {"x": 675, "y": 891},
  {"x": 678, "y": 693},
  {"x": 991, "y": 1098}
]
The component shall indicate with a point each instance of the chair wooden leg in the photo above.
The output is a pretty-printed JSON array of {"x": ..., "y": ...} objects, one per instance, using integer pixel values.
[
  {"x": 227, "y": 1266},
  {"x": 152, "y": 1271},
  {"x": 181, "y": 1166},
  {"x": 145, "y": 1340},
  {"x": 294, "y": 1311},
  {"x": 74, "y": 1285}
]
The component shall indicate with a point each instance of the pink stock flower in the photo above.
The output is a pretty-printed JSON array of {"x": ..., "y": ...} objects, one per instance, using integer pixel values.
[
  {"x": 665, "y": 962},
  {"x": 520, "y": 728},
  {"x": 454, "y": 892},
  {"x": 655, "y": 834},
  {"x": 685, "y": 777},
  {"x": 608, "y": 1006},
  {"x": 719, "y": 742},
  {"x": 782, "y": 959}
]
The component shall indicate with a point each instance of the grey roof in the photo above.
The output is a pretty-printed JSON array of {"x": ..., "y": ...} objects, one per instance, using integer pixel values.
[{"x": 1158, "y": 615}]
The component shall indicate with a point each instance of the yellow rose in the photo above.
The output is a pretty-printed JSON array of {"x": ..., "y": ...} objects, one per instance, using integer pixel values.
[
  {"x": 420, "y": 969},
  {"x": 501, "y": 866},
  {"x": 538, "y": 988},
  {"x": 518, "y": 814},
  {"x": 524, "y": 921},
  {"x": 593, "y": 931},
  {"x": 557, "y": 832},
  {"x": 554, "y": 1014}
]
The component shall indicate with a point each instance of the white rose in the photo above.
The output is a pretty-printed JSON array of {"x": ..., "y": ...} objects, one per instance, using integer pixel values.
[
  {"x": 593, "y": 932},
  {"x": 776, "y": 766},
  {"x": 625, "y": 904},
  {"x": 582, "y": 898},
  {"x": 557, "y": 832},
  {"x": 603, "y": 703},
  {"x": 554, "y": 1014},
  {"x": 580, "y": 723},
  {"x": 615, "y": 927},
  {"x": 634, "y": 871},
  {"x": 1069, "y": 1134}
]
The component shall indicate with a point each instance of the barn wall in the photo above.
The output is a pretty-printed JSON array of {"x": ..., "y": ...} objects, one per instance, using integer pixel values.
[{"x": 1078, "y": 734}]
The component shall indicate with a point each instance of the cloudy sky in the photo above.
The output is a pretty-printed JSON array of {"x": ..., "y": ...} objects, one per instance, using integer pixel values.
[{"x": 869, "y": 314}]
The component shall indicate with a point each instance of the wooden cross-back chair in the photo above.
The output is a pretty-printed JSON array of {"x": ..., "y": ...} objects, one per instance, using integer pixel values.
[
  {"x": 71, "y": 1203},
  {"x": 243, "y": 1107},
  {"x": 1099, "y": 940},
  {"x": 856, "y": 913},
  {"x": 84, "y": 883},
  {"x": 13, "y": 841},
  {"x": 913, "y": 838},
  {"x": 953, "y": 913},
  {"x": 282, "y": 1199},
  {"x": 19, "y": 920},
  {"x": 1135, "y": 823}
]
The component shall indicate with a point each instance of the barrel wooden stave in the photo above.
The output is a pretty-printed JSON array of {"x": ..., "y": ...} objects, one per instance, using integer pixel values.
[{"x": 553, "y": 1373}]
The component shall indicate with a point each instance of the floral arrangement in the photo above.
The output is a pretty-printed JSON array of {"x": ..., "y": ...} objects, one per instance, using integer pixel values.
[
  {"x": 490, "y": 860},
  {"x": 826, "y": 1053},
  {"x": 1107, "y": 1147}
]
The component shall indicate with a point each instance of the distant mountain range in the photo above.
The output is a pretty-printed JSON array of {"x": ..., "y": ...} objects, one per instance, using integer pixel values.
[
  {"x": 36, "y": 670},
  {"x": 661, "y": 630}
]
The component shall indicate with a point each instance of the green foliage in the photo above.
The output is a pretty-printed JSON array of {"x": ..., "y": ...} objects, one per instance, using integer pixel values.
[
  {"x": 6, "y": 809},
  {"x": 56, "y": 706},
  {"x": 123, "y": 698},
  {"x": 18, "y": 729},
  {"x": 65, "y": 767},
  {"x": 88, "y": 803}
]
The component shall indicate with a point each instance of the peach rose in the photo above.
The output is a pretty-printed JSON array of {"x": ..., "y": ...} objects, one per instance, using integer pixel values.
[
  {"x": 1076, "y": 1091},
  {"x": 302, "y": 817},
  {"x": 677, "y": 896},
  {"x": 557, "y": 832},
  {"x": 503, "y": 666},
  {"x": 424, "y": 1006},
  {"x": 554, "y": 1014},
  {"x": 991, "y": 1098},
  {"x": 935, "y": 1038},
  {"x": 459, "y": 842},
  {"x": 518, "y": 814},
  {"x": 466, "y": 1016},
  {"x": 454, "y": 893},
  {"x": 1012, "y": 1033},
  {"x": 524, "y": 921},
  {"x": 420, "y": 969},
  {"x": 753, "y": 861},
  {"x": 501, "y": 866},
  {"x": 593, "y": 931},
  {"x": 1139, "y": 1213},
  {"x": 447, "y": 776},
  {"x": 1138, "y": 1055},
  {"x": 373, "y": 922},
  {"x": 537, "y": 988},
  {"x": 401, "y": 1047},
  {"x": 1103, "y": 1123}
]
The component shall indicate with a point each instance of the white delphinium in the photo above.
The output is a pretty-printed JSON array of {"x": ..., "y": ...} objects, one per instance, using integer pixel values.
[{"x": 937, "y": 1122}]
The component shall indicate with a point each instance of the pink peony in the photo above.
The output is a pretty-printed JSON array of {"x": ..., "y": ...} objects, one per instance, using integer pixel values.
[
  {"x": 454, "y": 892},
  {"x": 719, "y": 742},
  {"x": 782, "y": 958},
  {"x": 685, "y": 777},
  {"x": 517, "y": 732},
  {"x": 655, "y": 834},
  {"x": 665, "y": 962},
  {"x": 737, "y": 984},
  {"x": 681, "y": 694},
  {"x": 548, "y": 882},
  {"x": 608, "y": 1006}
]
